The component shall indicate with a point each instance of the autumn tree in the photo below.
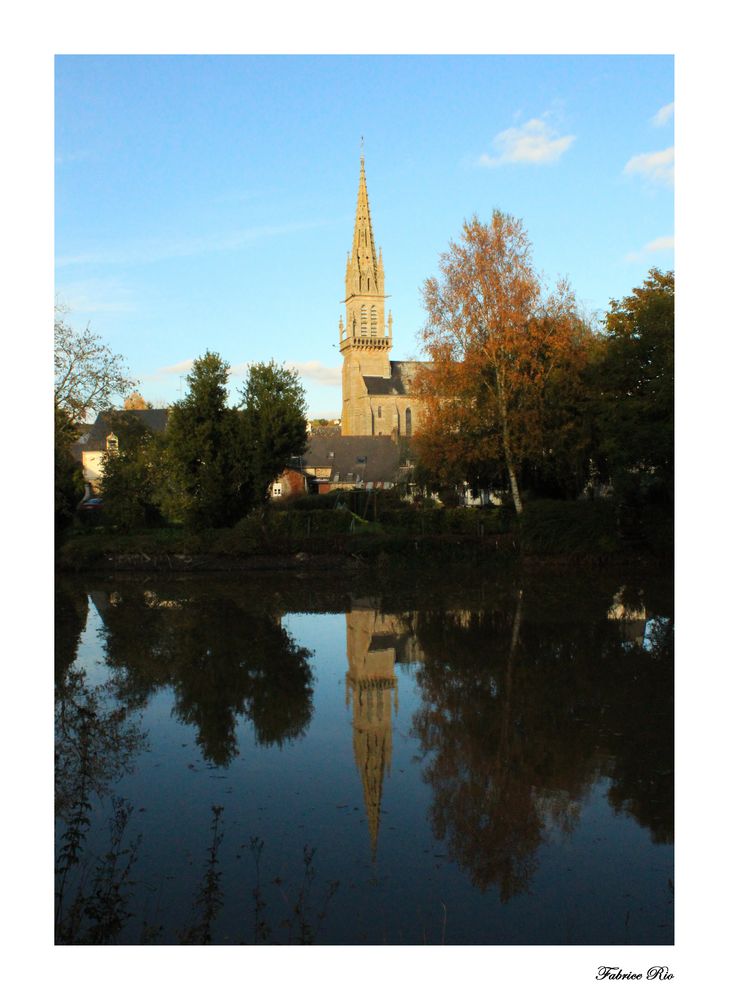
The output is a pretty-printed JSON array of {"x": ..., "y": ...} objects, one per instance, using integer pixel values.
[
  {"x": 498, "y": 344},
  {"x": 87, "y": 374},
  {"x": 136, "y": 401}
]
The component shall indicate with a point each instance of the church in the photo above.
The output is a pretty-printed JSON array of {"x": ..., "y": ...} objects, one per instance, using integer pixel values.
[{"x": 377, "y": 393}]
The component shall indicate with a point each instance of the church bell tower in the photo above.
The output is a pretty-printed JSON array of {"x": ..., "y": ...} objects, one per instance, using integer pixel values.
[{"x": 365, "y": 340}]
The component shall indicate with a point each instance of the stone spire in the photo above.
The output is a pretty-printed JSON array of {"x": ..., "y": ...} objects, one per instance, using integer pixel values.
[{"x": 362, "y": 266}]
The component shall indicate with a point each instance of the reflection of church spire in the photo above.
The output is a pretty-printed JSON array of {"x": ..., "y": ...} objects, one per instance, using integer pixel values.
[{"x": 370, "y": 685}]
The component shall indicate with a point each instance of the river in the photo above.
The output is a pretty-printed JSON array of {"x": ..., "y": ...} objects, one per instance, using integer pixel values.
[{"x": 471, "y": 759}]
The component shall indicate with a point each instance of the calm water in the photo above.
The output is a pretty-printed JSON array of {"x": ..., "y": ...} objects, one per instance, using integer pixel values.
[{"x": 293, "y": 759}]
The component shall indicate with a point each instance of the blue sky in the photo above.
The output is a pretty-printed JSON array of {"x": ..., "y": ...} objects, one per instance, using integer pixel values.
[{"x": 207, "y": 202}]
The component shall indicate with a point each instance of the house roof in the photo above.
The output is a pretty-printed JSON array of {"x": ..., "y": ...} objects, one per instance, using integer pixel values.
[
  {"x": 95, "y": 438},
  {"x": 400, "y": 382},
  {"x": 355, "y": 458}
]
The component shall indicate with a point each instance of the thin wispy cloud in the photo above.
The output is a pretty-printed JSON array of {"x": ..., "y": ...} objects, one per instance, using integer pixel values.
[
  {"x": 315, "y": 371},
  {"x": 178, "y": 368},
  {"x": 660, "y": 245},
  {"x": 95, "y": 296},
  {"x": 152, "y": 251},
  {"x": 656, "y": 168},
  {"x": 72, "y": 156},
  {"x": 535, "y": 142},
  {"x": 310, "y": 371},
  {"x": 663, "y": 115}
]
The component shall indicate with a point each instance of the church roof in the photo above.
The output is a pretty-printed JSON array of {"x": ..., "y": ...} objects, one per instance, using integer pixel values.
[{"x": 400, "y": 382}]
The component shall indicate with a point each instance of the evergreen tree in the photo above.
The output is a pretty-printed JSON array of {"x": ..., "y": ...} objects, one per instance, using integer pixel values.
[
  {"x": 206, "y": 449},
  {"x": 634, "y": 390},
  {"x": 68, "y": 476},
  {"x": 129, "y": 483},
  {"x": 274, "y": 423}
]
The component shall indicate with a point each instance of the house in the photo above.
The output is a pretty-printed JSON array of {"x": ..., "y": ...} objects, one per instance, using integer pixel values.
[
  {"x": 339, "y": 461},
  {"x": 98, "y": 438}
]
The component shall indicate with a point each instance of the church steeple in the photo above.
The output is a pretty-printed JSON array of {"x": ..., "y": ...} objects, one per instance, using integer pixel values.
[
  {"x": 362, "y": 276},
  {"x": 365, "y": 339}
]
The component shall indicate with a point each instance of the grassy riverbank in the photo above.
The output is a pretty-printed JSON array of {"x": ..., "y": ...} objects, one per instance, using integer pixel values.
[{"x": 586, "y": 531}]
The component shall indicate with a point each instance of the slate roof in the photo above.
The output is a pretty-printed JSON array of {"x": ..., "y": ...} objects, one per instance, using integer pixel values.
[
  {"x": 355, "y": 458},
  {"x": 400, "y": 382},
  {"x": 154, "y": 420}
]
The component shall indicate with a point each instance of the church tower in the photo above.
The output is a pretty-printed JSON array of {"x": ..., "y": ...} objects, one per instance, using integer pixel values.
[{"x": 364, "y": 339}]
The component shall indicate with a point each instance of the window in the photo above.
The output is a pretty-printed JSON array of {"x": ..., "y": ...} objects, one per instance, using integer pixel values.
[
  {"x": 408, "y": 422},
  {"x": 363, "y": 321},
  {"x": 373, "y": 321},
  {"x": 112, "y": 442},
  {"x": 277, "y": 490},
  {"x": 379, "y": 411}
]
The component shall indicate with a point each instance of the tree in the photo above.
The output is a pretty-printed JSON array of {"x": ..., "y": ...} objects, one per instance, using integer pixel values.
[
  {"x": 498, "y": 345},
  {"x": 135, "y": 401},
  {"x": 131, "y": 474},
  {"x": 274, "y": 423},
  {"x": 68, "y": 475},
  {"x": 206, "y": 449},
  {"x": 633, "y": 387},
  {"x": 87, "y": 374}
]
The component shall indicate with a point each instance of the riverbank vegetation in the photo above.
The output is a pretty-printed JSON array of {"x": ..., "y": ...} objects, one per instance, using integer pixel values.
[{"x": 562, "y": 430}]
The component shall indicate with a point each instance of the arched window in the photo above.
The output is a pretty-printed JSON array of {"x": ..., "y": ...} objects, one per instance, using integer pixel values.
[
  {"x": 408, "y": 422},
  {"x": 373, "y": 321},
  {"x": 363, "y": 321}
]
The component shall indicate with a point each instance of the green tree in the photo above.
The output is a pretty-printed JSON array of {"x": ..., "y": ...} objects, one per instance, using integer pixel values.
[
  {"x": 206, "y": 449},
  {"x": 634, "y": 395},
  {"x": 68, "y": 476},
  {"x": 129, "y": 483},
  {"x": 274, "y": 423}
]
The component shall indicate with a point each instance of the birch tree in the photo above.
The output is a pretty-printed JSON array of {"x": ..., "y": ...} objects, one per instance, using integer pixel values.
[{"x": 496, "y": 340}]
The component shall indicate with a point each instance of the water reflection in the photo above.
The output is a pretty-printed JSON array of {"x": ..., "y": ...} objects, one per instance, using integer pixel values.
[
  {"x": 222, "y": 658},
  {"x": 523, "y": 693}
]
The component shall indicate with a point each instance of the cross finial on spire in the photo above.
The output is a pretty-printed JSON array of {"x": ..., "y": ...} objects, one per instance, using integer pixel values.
[{"x": 361, "y": 148}]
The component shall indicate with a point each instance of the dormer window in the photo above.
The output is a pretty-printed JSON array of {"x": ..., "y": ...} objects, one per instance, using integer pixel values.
[{"x": 112, "y": 443}]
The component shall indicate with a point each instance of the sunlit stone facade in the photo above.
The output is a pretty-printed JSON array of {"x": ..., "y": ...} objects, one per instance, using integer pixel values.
[{"x": 377, "y": 396}]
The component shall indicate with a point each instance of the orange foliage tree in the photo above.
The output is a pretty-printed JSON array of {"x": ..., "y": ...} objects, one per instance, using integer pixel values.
[
  {"x": 502, "y": 351},
  {"x": 136, "y": 401}
]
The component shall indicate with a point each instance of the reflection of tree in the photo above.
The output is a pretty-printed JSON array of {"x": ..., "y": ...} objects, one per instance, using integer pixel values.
[
  {"x": 643, "y": 770},
  {"x": 95, "y": 738},
  {"x": 71, "y": 608},
  {"x": 524, "y": 705},
  {"x": 221, "y": 659}
]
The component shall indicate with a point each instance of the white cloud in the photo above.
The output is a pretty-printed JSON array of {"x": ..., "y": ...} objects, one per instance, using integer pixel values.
[
  {"x": 663, "y": 115},
  {"x": 534, "y": 142},
  {"x": 315, "y": 371},
  {"x": 661, "y": 243},
  {"x": 178, "y": 368},
  {"x": 654, "y": 167}
]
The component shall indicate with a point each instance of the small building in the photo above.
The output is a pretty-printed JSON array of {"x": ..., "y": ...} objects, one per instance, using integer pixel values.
[
  {"x": 293, "y": 481},
  {"x": 98, "y": 439}
]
